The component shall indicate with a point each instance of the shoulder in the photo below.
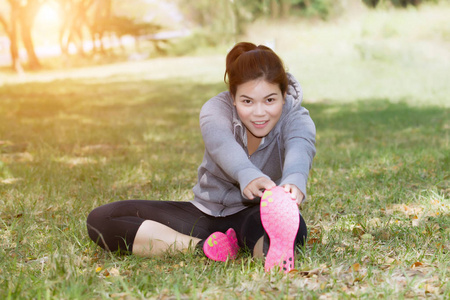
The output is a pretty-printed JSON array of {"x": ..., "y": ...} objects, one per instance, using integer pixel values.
[
  {"x": 223, "y": 98},
  {"x": 220, "y": 102},
  {"x": 218, "y": 107}
]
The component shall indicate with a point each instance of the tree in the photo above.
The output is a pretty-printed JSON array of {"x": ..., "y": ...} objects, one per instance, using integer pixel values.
[
  {"x": 75, "y": 20},
  {"x": 27, "y": 13},
  {"x": 371, "y": 3},
  {"x": 221, "y": 19},
  {"x": 21, "y": 15},
  {"x": 397, "y": 3},
  {"x": 100, "y": 23},
  {"x": 11, "y": 31}
]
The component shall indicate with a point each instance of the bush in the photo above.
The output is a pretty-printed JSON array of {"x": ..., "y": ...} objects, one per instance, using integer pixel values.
[
  {"x": 398, "y": 3},
  {"x": 317, "y": 8},
  {"x": 371, "y": 3}
]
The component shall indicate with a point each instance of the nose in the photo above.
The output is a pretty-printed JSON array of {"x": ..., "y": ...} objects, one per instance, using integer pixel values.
[{"x": 259, "y": 110}]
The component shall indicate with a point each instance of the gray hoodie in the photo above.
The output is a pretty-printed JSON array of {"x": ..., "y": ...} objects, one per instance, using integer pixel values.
[{"x": 285, "y": 155}]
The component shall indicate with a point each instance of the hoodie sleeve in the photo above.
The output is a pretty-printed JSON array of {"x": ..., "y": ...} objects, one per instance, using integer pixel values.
[
  {"x": 216, "y": 124},
  {"x": 299, "y": 137},
  {"x": 299, "y": 140}
]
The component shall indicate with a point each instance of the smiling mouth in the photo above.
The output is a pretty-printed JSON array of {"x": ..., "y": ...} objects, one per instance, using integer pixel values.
[{"x": 260, "y": 122}]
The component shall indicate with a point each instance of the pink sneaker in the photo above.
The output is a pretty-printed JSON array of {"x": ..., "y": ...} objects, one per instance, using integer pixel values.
[
  {"x": 221, "y": 246},
  {"x": 280, "y": 219}
]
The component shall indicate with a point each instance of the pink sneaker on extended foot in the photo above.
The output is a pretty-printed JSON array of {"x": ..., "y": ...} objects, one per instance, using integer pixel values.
[
  {"x": 221, "y": 246},
  {"x": 280, "y": 219}
]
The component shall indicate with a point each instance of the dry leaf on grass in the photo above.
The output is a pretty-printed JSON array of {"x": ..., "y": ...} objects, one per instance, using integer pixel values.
[
  {"x": 355, "y": 267},
  {"x": 317, "y": 271},
  {"x": 416, "y": 264}
]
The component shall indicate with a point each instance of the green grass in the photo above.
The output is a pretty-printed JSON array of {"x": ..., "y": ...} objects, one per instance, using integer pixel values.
[
  {"x": 378, "y": 212},
  {"x": 378, "y": 195}
]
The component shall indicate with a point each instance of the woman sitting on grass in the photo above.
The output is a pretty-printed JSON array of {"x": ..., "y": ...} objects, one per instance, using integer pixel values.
[{"x": 259, "y": 147}]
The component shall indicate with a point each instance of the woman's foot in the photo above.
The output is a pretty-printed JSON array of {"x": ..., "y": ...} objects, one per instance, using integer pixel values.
[
  {"x": 221, "y": 246},
  {"x": 280, "y": 219}
]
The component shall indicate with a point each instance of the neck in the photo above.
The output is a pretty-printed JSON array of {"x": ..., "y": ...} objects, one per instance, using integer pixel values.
[{"x": 252, "y": 143}]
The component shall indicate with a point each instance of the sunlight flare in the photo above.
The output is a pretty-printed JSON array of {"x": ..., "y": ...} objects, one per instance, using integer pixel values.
[{"x": 49, "y": 14}]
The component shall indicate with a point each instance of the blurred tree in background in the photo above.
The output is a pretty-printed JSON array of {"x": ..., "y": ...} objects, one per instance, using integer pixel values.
[
  {"x": 82, "y": 20},
  {"x": 396, "y": 3},
  {"x": 105, "y": 22},
  {"x": 21, "y": 17}
]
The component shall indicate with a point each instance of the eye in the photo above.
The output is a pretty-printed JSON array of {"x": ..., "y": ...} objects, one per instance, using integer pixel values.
[
  {"x": 246, "y": 101},
  {"x": 270, "y": 100}
]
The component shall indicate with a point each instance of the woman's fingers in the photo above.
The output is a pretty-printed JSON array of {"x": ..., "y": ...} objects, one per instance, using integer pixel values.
[
  {"x": 295, "y": 192},
  {"x": 256, "y": 187}
]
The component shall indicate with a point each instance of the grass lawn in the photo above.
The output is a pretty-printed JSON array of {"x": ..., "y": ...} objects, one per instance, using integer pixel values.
[{"x": 378, "y": 212}]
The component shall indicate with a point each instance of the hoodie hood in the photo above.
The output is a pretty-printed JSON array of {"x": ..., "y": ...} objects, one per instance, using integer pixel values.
[{"x": 294, "y": 91}]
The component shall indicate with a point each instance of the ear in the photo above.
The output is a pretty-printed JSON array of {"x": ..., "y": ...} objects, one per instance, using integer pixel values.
[
  {"x": 284, "y": 97},
  {"x": 234, "y": 100}
]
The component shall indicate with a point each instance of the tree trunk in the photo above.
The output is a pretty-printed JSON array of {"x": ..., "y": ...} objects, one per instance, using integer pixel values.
[
  {"x": 11, "y": 31},
  {"x": 75, "y": 13},
  {"x": 14, "y": 49},
  {"x": 285, "y": 8},
  {"x": 100, "y": 23},
  {"x": 274, "y": 9},
  {"x": 33, "y": 60},
  {"x": 27, "y": 14}
]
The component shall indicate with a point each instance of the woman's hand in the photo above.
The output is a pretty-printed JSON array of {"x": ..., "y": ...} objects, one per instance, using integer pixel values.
[
  {"x": 295, "y": 192},
  {"x": 257, "y": 186}
]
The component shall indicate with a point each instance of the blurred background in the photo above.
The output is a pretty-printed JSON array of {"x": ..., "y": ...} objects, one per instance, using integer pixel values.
[{"x": 341, "y": 50}]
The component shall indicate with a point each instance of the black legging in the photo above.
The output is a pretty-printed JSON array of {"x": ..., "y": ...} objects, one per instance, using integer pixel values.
[{"x": 114, "y": 226}]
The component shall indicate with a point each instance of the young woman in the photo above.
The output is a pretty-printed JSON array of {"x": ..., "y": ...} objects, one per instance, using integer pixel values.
[{"x": 259, "y": 147}]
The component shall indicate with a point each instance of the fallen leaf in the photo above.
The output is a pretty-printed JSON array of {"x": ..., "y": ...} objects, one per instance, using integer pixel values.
[
  {"x": 416, "y": 264},
  {"x": 315, "y": 229},
  {"x": 355, "y": 267},
  {"x": 375, "y": 222},
  {"x": 313, "y": 241},
  {"x": 313, "y": 272},
  {"x": 430, "y": 289},
  {"x": 367, "y": 237},
  {"x": 114, "y": 272},
  {"x": 389, "y": 260},
  {"x": 358, "y": 231}
]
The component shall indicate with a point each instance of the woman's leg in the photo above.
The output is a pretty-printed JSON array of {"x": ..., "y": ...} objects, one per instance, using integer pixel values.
[
  {"x": 153, "y": 239},
  {"x": 143, "y": 226},
  {"x": 131, "y": 225}
]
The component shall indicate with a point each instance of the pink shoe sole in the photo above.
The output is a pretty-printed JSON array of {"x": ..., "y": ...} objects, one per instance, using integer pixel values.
[
  {"x": 280, "y": 219},
  {"x": 221, "y": 246}
]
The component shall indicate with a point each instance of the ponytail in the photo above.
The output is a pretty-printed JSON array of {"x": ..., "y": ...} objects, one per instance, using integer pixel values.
[{"x": 246, "y": 62}]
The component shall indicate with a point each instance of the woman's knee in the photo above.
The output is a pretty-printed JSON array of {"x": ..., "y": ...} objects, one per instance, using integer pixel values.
[
  {"x": 95, "y": 222},
  {"x": 95, "y": 216}
]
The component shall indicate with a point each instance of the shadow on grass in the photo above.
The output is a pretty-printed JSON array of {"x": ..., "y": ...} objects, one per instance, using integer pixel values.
[
  {"x": 369, "y": 153},
  {"x": 69, "y": 146},
  {"x": 373, "y": 153}
]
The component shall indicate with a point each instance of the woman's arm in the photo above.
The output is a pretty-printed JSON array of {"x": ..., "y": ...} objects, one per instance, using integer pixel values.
[
  {"x": 216, "y": 124},
  {"x": 299, "y": 135}
]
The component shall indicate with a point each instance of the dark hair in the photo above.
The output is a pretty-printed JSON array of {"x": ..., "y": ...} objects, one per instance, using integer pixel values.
[{"x": 246, "y": 62}]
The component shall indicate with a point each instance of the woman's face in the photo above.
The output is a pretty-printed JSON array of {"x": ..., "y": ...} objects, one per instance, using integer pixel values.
[{"x": 259, "y": 105}]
